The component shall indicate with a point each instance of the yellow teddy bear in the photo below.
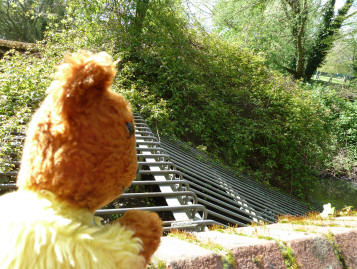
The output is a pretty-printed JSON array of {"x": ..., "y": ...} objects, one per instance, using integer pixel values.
[{"x": 79, "y": 155}]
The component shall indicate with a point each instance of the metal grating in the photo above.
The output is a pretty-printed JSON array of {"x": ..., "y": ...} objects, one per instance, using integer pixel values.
[
  {"x": 229, "y": 199},
  {"x": 186, "y": 188}
]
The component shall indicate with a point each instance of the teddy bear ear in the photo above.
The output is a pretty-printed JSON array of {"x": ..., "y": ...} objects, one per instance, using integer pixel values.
[{"x": 82, "y": 77}]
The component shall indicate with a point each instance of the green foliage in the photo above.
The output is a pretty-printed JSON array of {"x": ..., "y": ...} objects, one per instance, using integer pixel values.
[
  {"x": 216, "y": 94},
  {"x": 23, "y": 80},
  {"x": 341, "y": 106},
  {"x": 326, "y": 34},
  {"x": 27, "y": 20},
  {"x": 186, "y": 84},
  {"x": 294, "y": 36}
]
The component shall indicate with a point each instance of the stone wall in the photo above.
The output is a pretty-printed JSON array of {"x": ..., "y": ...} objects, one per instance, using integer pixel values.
[{"x": 306, "y": 243}]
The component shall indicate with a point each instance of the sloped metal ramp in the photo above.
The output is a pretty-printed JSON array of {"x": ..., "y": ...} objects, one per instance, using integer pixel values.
[
  {"x": 229, "y": 199},
  {"x": 186, "y": 188}
]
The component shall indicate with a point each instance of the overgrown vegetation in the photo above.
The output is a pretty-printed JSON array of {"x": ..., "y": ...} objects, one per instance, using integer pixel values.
[
  {"x": 191, "y": 85},
  {"x": 341, "y": 106},
  {"x": 27, "y": 20},
  {"x": 295, "y": 36}
]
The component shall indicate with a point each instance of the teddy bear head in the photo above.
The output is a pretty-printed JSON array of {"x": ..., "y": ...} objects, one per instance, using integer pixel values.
[{"x": 80, "y": 144}]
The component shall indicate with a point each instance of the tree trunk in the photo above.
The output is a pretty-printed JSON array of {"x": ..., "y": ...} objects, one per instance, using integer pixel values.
[
  {"x": 326, "y": 36},
  {"x": 137, "y": 25},
  {"x": 300, "y": 36},
  {"x": 298, "y": 13}
]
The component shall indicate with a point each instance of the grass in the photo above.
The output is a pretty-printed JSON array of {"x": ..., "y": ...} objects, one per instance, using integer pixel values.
[{"x": 334, "y": 80}]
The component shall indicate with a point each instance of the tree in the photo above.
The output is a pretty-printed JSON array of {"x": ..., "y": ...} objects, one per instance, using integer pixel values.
[
  {"x": 327, "y": 34},
  {"x": 294, "y": 35},
  {"x": 341, "y": 57},
  {"x": 27, "y": 20}
]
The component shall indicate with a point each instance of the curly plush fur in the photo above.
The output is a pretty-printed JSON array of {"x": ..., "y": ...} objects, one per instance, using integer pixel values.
[
  {"x": 79, "y": 154},
  {"x": 77, "y": 145},
  {"x": 42, "y": 232}
]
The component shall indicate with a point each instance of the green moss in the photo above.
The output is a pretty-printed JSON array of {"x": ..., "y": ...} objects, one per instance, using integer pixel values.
[
  {"x": 265, "y": 237},
  {"x": 304, "y": 230},
  {"x": 336, "y": 249},
  {"x": 157, "y": 265},
  {"x": 286, "y": 251},
  {"x": 288, "y": 255},
  {"x": 228, "y": 259},
  {"x": 257, "y": 260}
]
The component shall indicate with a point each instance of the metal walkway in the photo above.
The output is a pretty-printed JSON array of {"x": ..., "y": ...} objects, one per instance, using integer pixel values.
[{"x": 186, "y": 188}]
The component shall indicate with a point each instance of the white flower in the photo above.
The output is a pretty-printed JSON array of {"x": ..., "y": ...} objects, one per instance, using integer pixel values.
[{"x": 328, "y": 210}]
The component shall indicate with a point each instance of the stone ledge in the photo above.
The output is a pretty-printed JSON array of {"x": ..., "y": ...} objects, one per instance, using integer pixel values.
[{"x": 311, "y": 245}]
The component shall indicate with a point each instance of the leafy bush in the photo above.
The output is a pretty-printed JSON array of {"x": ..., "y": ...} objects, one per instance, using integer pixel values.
[
  {"x": 187, "y": 84},
  {"x": 218, "y": 95},
  {"x": 341, "y": 105},
  {"x": 23, "y": 80}
]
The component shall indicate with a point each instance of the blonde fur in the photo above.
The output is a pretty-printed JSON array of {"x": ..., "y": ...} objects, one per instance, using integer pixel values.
[{"x": 39, "y": 231}]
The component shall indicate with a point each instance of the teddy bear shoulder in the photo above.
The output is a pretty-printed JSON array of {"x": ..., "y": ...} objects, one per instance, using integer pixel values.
[{"x": 40, "y": 232}]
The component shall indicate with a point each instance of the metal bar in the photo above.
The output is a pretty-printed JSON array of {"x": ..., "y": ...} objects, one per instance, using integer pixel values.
[
  {"x": 152, "y": 155},
  {"x": 161, "y": 172},
  {"x": 235, "y": 207},
  {"x": 169, "y": 188},
  {"x": 140, "y": 124},
  {"x": 142, "y": 128},
  {"x": 159, "y": 194},
  {"x": 253, "y": 199},
  {"x": 161, "y": 183},
  {"x": 146, "y": 137},
  {"x": 182, "y": 208},
  {"x": 230, "y": 220},
  {"x": 230, "y": 173},
  {"x": 228, "y": 199},
  {"x": 206, "y": 222},
  {"x": 143, "y": 132},
  {"x": 229, "y": 213},
  {"x": 242, "y": 190},
  {"x": 156, "y": 163},
  {"x": 286, "y": 198},
  {"x": 8, "y": 186},
  {"x": 147, "y": 143},
  {"x": 154, "y": 182},
  {"x": 151, "y": 149}
]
